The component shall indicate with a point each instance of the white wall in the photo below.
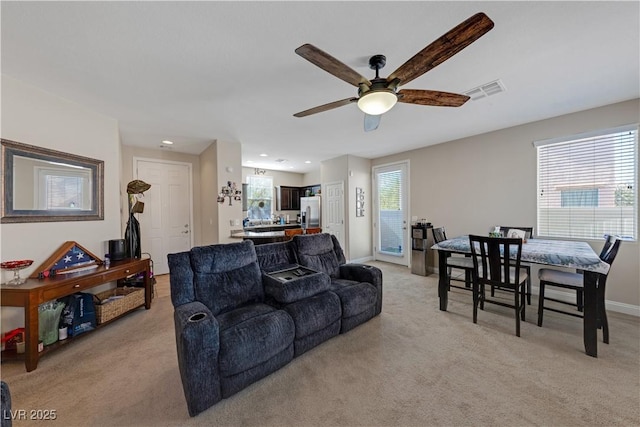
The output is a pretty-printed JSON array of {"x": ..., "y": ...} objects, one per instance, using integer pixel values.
[
  {"x": 35, "y": 117},
  {"x": 475, "y": 183}
]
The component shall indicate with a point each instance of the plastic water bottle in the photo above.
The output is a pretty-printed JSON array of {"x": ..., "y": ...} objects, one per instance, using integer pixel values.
[{"x": 107, "y": 261}]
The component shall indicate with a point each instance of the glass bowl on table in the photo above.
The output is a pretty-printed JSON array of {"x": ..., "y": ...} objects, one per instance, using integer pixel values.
[{"x": 16, "y": 266}]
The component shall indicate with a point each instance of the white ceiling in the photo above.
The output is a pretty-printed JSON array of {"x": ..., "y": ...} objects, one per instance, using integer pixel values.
[{"x": 202, "y": 71}]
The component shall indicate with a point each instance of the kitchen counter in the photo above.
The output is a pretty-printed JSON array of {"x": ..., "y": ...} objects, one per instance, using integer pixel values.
[
  {"x": 243, "y": 234},
  {"x": 271, "y": 227},
  {"x": 262, "y": 237}
]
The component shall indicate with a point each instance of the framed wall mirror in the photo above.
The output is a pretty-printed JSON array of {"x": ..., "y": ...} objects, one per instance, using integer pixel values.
[{"x": 42, "y": 185}]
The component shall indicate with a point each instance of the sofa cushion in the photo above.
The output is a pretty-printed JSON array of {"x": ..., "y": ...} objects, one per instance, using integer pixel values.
[
  {"x": 296, "y": 289},
  {"x": 275, "y": 256},
  {"x": 251, "y": 335},
  {"x": 355, "y": 297},
  {"x": 315, "y": 313},
  {"x": 316, "y": 252},
  {"x": 226, "y": 276}
]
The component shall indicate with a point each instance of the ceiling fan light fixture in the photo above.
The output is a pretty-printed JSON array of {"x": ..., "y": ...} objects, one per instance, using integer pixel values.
[{"x": 377, "y": 102}]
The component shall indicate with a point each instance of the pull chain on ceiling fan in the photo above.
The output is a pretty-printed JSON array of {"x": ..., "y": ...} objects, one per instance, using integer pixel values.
[{"x": 379, "y": 95}]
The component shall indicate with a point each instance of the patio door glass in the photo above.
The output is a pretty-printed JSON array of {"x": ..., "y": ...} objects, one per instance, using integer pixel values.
[{"x": 390, "y": 221}]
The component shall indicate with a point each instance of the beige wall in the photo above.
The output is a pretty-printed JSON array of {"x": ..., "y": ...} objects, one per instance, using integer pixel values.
[
  {"x": 472, "y": 184},
  {"x": 312, "y": 178},
  {"x": 229, "y": 168},
  {"x": 128, "y": 153},
  {"x": 279, "y": 177},
  {"x": 353, "y": 172},
  {"x": 38, "y": 118},
  {"x": 359, "y": 228},
  {"x": 208, "y": 194}
]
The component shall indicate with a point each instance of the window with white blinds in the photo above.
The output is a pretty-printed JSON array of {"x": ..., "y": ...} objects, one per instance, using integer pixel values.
[
  {"x": 59, "y": 189},
  {"x": 587, "y": 185},
  {"x": 259, "y": 197},
  {"x": 391, "y": 212}
]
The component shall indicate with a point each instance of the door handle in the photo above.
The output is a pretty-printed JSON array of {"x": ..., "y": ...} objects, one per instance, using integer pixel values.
[{"x": 185, "y": 232}]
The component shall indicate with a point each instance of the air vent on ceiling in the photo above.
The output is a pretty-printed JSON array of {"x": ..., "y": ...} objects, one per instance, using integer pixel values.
[
  {"x": 485, "y": 90},
  {"x": 280, "y": 160}
]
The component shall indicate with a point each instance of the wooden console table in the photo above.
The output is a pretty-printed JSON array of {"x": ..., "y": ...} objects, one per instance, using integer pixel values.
[{"x": 34, "y": 292}]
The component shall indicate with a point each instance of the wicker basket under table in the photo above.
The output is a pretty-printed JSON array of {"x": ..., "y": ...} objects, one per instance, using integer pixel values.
[{"x": 133, "y": 298}]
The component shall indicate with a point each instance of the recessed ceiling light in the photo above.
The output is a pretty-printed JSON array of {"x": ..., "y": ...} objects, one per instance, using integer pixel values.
[
  {"x": 249, "y": 161},
  {"x": 307, "y": 161},
  {"x": 166, "y": 141},
  {"x": 263, "y": 155}
]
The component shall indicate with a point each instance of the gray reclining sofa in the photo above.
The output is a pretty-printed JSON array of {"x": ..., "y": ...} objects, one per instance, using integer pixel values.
[{"x": 235, "y": 324}]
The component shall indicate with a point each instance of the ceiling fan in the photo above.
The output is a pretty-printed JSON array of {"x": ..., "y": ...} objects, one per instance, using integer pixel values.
[{"x": 379, "y": 95}]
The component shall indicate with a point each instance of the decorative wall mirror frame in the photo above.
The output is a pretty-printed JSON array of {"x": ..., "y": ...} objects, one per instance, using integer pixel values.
[{"x": 43, "y": 185}]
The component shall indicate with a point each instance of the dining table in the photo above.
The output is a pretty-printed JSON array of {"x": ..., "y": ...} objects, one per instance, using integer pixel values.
[{"x": 557, "y": 253}]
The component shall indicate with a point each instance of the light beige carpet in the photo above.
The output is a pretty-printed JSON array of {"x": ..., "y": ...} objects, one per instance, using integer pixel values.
[{"x": 411, "y": 366}]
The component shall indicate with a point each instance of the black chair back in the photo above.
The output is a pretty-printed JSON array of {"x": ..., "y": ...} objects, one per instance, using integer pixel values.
[
  {"x": 489, "y": 254},
  {"x": 527, "y": 230},
  {"x": 439, "y": 235},
  {"x": 608, "y": 241},
  {"x": 610, "y": 254}
]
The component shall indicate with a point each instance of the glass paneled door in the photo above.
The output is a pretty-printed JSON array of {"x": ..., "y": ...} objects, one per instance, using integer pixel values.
[{"x": 390, "y": 210}]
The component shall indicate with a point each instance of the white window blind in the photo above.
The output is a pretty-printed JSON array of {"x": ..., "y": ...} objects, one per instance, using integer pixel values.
[
  {"x": 259, "y": 197},
  {"x": 587, "y": 185},
  {"x": 391, "y": 213}
]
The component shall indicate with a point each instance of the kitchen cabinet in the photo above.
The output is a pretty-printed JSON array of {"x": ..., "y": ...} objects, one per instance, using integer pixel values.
[
  {"x": 288, "y": 198},
  {"x": 313, "y": 190}
]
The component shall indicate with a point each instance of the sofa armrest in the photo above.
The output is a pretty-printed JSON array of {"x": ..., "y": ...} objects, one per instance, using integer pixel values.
[
  {"x": 361, "y": 273},
  {"x": 364, "y": 273},
  {"x": 297, "y": 288},
  {"x": 198, "y": 345},
  {"x": 6, "y": 405}
]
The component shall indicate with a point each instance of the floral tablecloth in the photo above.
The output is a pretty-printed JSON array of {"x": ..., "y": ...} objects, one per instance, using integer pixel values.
[{"x": 560, "y": 253}]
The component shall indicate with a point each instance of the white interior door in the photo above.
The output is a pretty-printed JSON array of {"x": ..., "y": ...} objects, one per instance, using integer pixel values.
[
  {"x": 390, "y": 223},
  {"x": 333, "y": 219},
  {"x": 165, "y": 224}
]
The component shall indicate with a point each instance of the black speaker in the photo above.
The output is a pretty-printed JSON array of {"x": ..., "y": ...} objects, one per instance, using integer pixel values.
[{"x": 116, "y": 249}]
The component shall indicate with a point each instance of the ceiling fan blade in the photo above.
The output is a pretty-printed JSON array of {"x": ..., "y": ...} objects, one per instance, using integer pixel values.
[
  {"x": 371, "y": 122},
  {"x": 325, "y": 107},
  {"x": 331, "y": 65},
  {"x": 431, "y": 97},
  {"x": 443, "y": 48}
]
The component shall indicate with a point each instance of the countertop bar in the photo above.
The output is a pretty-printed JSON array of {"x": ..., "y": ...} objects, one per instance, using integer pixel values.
[
  {"x": 257, "y": 234},
  {"x": 272, "y": 226}
]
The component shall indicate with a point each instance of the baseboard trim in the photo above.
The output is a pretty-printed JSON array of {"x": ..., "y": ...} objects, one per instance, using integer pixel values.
[
  {"x": 618, "y": 307},
  {"x": 361, "y": 260}
]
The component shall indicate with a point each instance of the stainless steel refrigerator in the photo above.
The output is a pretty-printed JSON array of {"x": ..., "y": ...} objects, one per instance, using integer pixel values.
[{"x": 310, "y": 211}]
